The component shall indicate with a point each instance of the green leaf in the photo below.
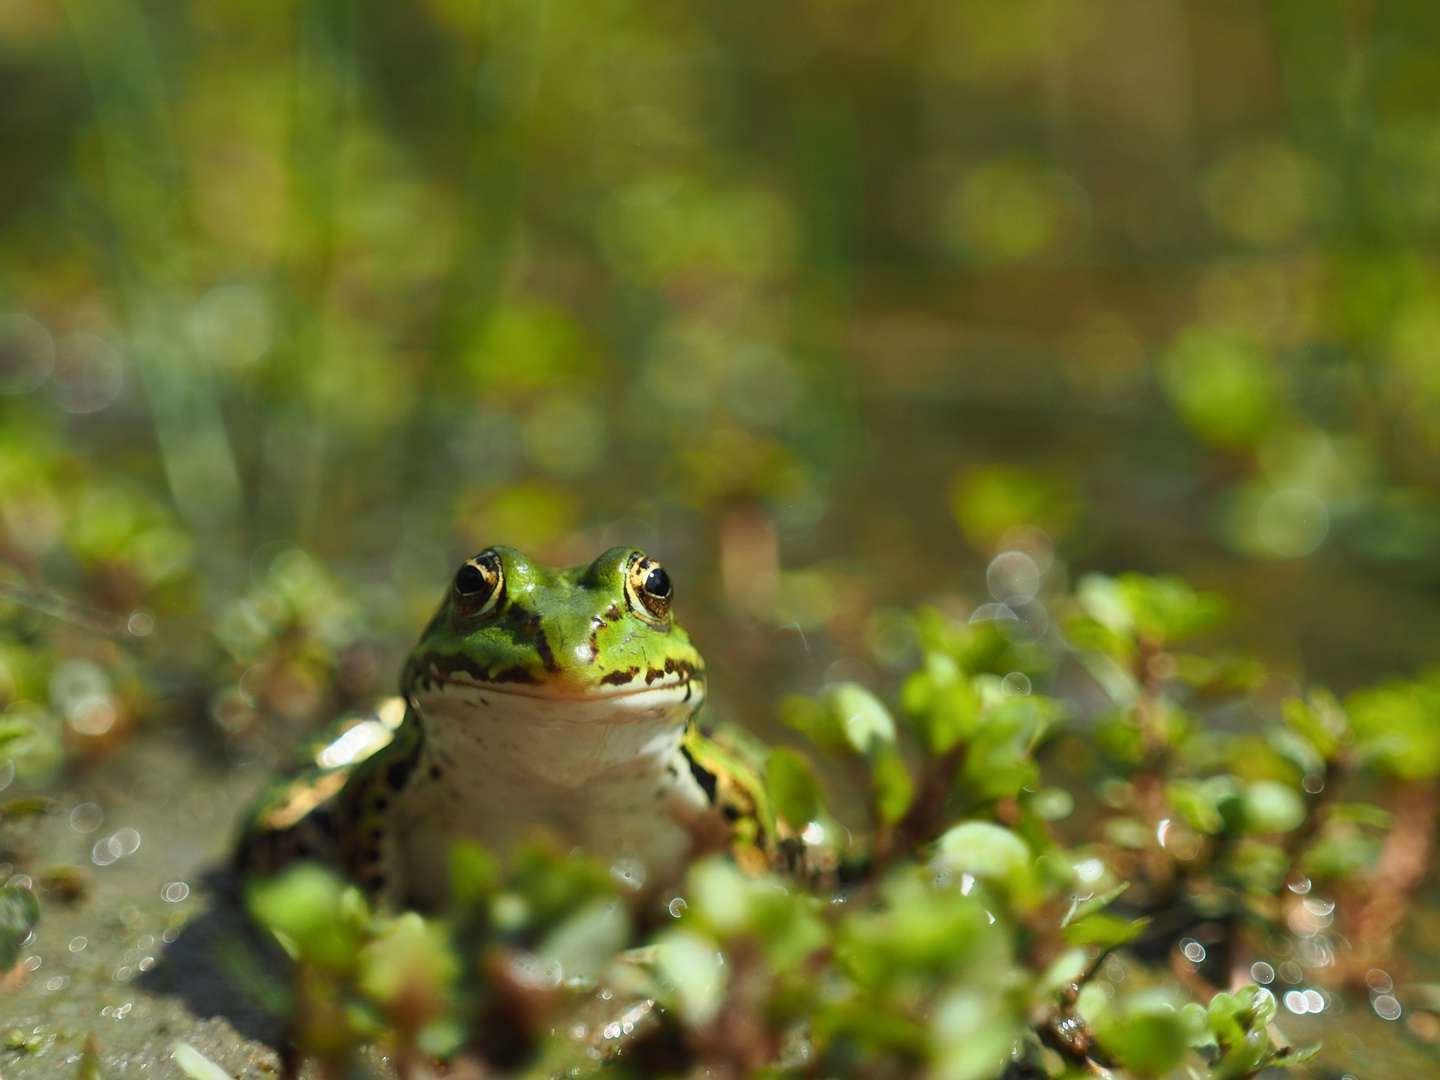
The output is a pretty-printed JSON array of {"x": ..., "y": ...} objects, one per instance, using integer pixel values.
[
  {"x": 941, "y": 702},
  {"x": 983, "y": 850},
  {"x": 19, "y": 912},
  {"x": 1079, "y": 909},
  {"x": 1106, "y": 931},
  {"x": 1147, "y": 1033},
  {"x": 1361, "y": 814},
  {"x": 793, "y": 787},
  {"x": 974, "y": 1034},
  {"x": 474, "y": 873},
  {"x": 303, "y": 907},
  {"x": 409, "y": 966},
  {"x": 1397, "y": 727},
  {"x": 894, "y": 790},
  {"x": 1167, "y": 609},
  {"x": 695, "y": 974},
  {"x": 816, "y": 722},
  {"x": 196, "y": 1065},
  {"x": 1271, "y": 807},
  {"x": 866, "y": 722},
  {"x": 1322, "y": 727}
]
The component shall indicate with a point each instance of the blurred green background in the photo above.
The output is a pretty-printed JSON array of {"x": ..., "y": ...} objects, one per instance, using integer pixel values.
[
  {"x": 820, "y": 302},
  {"x": 836, "y": 306}
]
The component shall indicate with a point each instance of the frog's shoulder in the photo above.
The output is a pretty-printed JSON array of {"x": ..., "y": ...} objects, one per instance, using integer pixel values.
[
  {"x": 734, "y": 760},
  {"x": 294, "y": 814}
]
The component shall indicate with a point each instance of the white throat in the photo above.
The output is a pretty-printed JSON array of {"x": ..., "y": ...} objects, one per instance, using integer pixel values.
[{"x": 596, "y": 772}]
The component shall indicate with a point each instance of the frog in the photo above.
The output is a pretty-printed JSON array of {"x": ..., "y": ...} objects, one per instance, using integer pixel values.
[{"x": 538, "y": 702}]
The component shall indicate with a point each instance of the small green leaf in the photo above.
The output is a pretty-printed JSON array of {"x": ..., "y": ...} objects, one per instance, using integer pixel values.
[
  {"x": 816, "y": 722},
  {"x": 302, "y": 908},
  {"x": 866, "y": 722},
  {"x": 894, "y": 790},
  {"x": 19, "y": 912},
  {"x": 474, "y": 873},
  {"x": 1104, "y": 930},
  {"x": 196, "y": 1065},
  {"x": 792, "y": 786},
  {"x": 1148, "y": 1034},
  {"x": 974, "y": 1035},
  {"x": 983, "y": 849},
  {"x": 695, "y": 973},
  {"x": 1079, "y": 909},
  {"x": 1272, "y": 807}
]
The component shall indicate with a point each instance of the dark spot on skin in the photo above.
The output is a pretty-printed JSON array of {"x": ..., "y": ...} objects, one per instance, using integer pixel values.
[
  {"x": 547, "y": 657},
  {"x": 652, "y": 675},
  {"x": 380, "y": 803},
  {"x": 620, "y": 678},
  {"x": 729, "y": 813},
  {"x": 376, "y": 834},
  {"x": 373, "y": 855},
  {"x": 378, "y": 881},
  {"x": 612, "y": 613},
  {"x": 398, "y": 773},
  {"x": 516, "y": 674},
  {"x": 434, "y": 772},
  {"x": 704, "y": 777}
]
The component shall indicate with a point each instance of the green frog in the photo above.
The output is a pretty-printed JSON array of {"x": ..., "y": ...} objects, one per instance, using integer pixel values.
[{"x": 538, "y": 700}]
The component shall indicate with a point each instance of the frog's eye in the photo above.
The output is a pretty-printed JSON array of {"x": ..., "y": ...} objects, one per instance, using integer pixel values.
[
  {"x": 479, "y": 583},
  {"x": 647, "y": 587}
]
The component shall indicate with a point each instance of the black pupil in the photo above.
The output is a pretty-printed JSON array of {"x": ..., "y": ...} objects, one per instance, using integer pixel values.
[
  {"x": 657, "y": 583},
  {"x": 470, "y": 580}
]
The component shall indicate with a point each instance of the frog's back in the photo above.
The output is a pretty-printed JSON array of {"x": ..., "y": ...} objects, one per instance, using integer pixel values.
[{"x": 305, "y": 812}]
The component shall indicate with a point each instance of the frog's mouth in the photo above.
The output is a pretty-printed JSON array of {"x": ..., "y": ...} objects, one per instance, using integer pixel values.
[{"x": 681, "y": 685}]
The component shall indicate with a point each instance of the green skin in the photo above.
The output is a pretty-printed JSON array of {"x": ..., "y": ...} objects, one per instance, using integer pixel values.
[{"x": 537, "y": 701}]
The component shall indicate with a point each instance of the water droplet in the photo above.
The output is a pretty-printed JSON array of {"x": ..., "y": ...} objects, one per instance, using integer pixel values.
[
  {"x": 1262, "y": 972},
  {"x": 1194, "y": 951},
  {"x": 1296, "y": 1002},
  {"x": 1386, "y": 1007},
  {"x": 87, "y": 817},
  {"x": 175, "y": 891},
  {"x": 88, "y": 374},
  {"x": 1012, "y": 577},
  {"x": 27, "y": 354},
  {"x": 93, "y": 715},
  {"x": 1015, "y": 684},
  {"x": 629, "y": 872},
  {"x": 676, "y": 907},
  {"x": 77, "y": 944}
]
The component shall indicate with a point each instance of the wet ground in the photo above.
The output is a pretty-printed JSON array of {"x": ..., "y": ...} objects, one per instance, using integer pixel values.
[
  {"x": 136, "y": 960},
  {"x": 140, "y": 962}
]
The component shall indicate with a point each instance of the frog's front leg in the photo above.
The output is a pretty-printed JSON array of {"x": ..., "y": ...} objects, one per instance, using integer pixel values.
[
  {"x": 370, "y": 843},
  {"x": 719, "y": 802}
]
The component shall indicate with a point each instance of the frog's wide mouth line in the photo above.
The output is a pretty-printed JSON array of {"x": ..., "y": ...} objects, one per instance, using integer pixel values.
[{"x": 551, "y": 692}]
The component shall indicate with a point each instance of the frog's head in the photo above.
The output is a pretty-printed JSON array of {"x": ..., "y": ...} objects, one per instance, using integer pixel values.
[{"x": 588, "y": 633}]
